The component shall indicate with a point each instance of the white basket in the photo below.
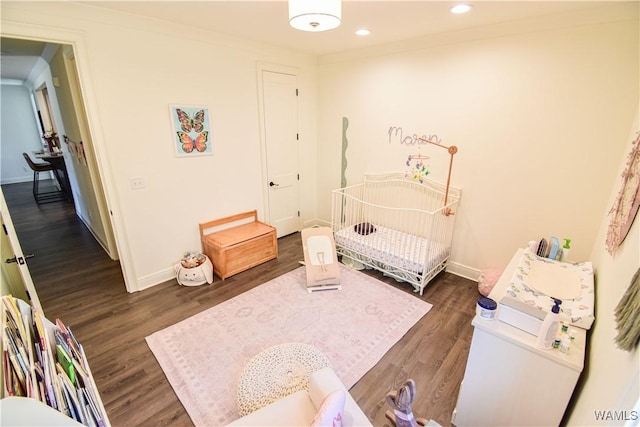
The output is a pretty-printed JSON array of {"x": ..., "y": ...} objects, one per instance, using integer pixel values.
[{"x": 195, "y": 276}]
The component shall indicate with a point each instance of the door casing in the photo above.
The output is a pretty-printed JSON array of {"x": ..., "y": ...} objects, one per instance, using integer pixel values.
[
  {"x": 80, "y": 49},
  {"x": 288, "y": 182}
]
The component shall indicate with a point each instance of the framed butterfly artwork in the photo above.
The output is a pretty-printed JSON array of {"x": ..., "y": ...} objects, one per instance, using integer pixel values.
[{"x": 191, "y": 130}]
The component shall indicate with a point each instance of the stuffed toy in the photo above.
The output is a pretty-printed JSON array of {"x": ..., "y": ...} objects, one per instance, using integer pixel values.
[
  {"x": 190, "y": 263},
  {"x": 400, "y": 401},
  {"x": 194, "y": 270},
  {"x": 192, "y": 259}
]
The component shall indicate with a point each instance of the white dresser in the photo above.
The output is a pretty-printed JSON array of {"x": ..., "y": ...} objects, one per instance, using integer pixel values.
[{"x": 510, "y": 381}]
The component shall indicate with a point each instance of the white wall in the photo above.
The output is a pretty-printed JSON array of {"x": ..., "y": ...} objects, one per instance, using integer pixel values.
[
  {"x": 19, "y": 133},
  {"x": 612, "y": 376},
  {"x": 540, "y": 115},
  {"x": 131, "y": 72},
  {"x": 86, "y": 199}
]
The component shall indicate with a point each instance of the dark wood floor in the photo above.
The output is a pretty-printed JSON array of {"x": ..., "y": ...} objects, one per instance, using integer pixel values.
[{"x": 78, "y": 283}]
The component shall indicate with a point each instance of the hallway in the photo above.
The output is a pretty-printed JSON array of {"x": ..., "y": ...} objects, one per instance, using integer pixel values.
[{"x": 66, "y": 253}]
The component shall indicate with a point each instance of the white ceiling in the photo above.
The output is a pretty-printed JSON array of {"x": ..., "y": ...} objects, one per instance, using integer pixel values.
[
  {"x": 18, "y": 57},
  {"x": 266, "y": 21}
]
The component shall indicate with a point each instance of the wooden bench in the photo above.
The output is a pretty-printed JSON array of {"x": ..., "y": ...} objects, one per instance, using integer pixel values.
[{"x": 238, "y": 247}]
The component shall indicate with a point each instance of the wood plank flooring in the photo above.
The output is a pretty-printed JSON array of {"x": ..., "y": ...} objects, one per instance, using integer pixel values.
[{"x": 78, "y": 283}]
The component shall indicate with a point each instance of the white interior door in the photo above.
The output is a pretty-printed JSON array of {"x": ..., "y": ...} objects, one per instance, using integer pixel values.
[
  {"x": 280, "y": 112},
  {"x": 16, "y": 278}
]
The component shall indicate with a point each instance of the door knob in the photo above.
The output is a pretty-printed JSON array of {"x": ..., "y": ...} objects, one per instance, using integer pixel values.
[{"x": 273, "y": 184}]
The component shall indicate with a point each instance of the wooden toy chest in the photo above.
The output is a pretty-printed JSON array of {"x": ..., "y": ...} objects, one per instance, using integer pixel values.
[{"x": 238, "y": 247}]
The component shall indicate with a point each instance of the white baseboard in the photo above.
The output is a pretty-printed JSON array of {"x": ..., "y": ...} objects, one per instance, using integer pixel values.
[
  {"x": 316, "y": 222},
  {"x": 463, "y": 271},
  {"x": 17, "y": 180},
  {"x": 154, "y": 279},
  {"x": 169, "y": 274},
  {"x": 95, "y": 236}
]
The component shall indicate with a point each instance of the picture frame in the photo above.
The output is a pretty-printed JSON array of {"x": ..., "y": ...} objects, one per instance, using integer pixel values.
[{"x": 191, "y": 130}]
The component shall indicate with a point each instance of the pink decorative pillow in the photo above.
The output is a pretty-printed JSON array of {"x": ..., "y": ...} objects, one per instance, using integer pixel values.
[
  {"x": 487, "y": 280},
  {"x": 330, "y": 412}
]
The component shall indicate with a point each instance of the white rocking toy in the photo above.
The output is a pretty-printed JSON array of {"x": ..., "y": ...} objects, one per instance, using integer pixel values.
[
  {"x": 320, "y": 259},
  {"x": 400, "y": 402}
]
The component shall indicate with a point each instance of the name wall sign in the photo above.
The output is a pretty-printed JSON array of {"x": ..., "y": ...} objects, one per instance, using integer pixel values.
[{"x": 396, "y": 135}]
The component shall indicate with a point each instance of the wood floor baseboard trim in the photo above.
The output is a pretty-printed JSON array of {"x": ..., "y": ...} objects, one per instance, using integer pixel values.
[
  {"x": 96, "y": 236},
  {"x": 151, "y": 280},
  {"x": 463, "y": 271},
  {"x": 316, "y": 222}
]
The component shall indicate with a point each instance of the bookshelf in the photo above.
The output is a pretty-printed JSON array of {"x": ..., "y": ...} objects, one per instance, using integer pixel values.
[{"x": 44, "y": 369}]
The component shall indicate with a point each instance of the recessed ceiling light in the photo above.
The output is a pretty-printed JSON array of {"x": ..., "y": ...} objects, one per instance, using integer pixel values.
[
  {"x": 461, "y": 8},
  {"x": 363, "y": 32}
]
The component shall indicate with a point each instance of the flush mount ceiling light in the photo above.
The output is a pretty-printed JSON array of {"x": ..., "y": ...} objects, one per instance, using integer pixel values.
[
  {"x": 315, "y": 15},
  {"x": 461, "y": 8},
  {"x": 363, "y": 32}
]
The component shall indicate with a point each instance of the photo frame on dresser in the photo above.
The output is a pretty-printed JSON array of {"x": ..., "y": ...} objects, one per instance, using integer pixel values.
[{"x": 191, "y": 130}]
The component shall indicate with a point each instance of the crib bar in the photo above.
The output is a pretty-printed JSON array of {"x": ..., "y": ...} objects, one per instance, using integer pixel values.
[{"x": 396, "y": 225}]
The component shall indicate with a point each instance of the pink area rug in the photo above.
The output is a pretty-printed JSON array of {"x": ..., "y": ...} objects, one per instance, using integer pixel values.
[{"x": 204, "y": 355}]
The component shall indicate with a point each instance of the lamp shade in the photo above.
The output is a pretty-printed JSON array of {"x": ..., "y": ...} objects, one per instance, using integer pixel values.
[{"x": 315, "y": 15}]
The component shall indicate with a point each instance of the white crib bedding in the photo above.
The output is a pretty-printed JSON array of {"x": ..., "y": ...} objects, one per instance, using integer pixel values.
[
  {"x": 580, "y": 310},
  {"x": 394, "y": 248}
]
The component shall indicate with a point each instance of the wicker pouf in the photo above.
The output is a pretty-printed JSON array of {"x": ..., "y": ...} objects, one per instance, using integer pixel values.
[{"x": 276, "y": 373}]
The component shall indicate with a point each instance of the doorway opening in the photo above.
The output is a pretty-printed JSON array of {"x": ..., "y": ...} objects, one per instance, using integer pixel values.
[{"x": 58, "y": 106}]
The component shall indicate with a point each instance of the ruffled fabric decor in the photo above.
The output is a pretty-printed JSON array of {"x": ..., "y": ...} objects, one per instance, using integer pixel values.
[
  {"x": 626, "y": 204},
  {"x": 627, "y": 314}
]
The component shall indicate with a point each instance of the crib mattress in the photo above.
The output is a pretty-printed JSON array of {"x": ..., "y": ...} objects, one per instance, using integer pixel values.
[
  {"x": 579, "y": 309},
  {"x": 394, "y": 248}
]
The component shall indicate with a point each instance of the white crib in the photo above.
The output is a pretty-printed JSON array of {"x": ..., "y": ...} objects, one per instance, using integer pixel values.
[{"x": 396, "y": 225}]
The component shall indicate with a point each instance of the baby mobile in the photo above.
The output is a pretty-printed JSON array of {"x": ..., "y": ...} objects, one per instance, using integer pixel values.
[{"x": 417, "y": 169}]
